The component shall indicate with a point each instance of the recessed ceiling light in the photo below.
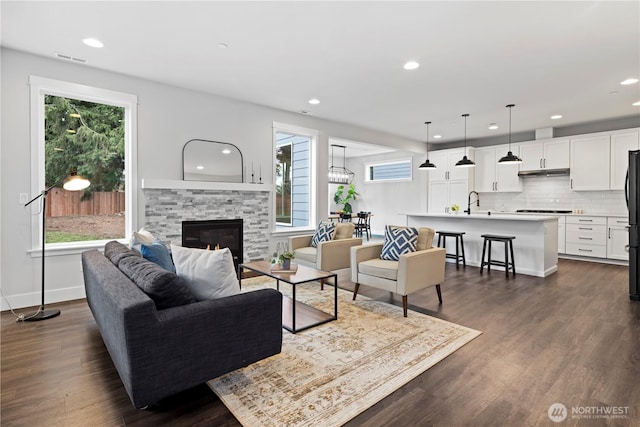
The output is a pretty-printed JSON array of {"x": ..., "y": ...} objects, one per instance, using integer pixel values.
[
  {"x": 226, "y": 151},
  {"x": 199, "y": 167},
  {"x": 493, "y": 126},
  {"x": 411, "y": 65},
  {"x": 556, "y": 116},
  {"x": 437, "y": 136},
  {"x": 93, "y": 42},
  {"x": 223, "y": 45},
  {"x": 314, "y": 101},
  {"x": 636, "y": 104},
  {"x": 629, "y": 81}
]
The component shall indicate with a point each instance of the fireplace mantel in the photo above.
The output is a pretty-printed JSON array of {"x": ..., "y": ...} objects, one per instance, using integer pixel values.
[{"x": 203, "y": 185}]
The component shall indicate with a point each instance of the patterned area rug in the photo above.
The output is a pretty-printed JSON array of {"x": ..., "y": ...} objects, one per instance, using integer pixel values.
[{"x": 328, "y": 374}]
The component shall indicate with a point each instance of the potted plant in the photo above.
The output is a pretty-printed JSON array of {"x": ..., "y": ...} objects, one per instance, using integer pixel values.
[
  {"x": 342, "y": 197},
  {"x": 284, "y": 259}
]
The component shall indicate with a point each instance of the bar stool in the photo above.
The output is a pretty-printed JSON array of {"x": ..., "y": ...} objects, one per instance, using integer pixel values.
[
  {"x": 508, "y": 248},
  {"x": 442, "y": 235}
]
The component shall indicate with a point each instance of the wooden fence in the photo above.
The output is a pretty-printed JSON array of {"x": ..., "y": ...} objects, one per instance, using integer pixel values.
[{"x": 68, "y": 203}]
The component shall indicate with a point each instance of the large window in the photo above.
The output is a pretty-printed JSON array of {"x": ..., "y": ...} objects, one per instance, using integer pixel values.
[
  {"x": 294, "y": 177},
  {"x": 88, "y": 131}
]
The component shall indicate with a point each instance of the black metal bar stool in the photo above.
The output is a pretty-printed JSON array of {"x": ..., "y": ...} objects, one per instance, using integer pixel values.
[
  {"x": 508, "y": 248},
  {"x": 442, "y": 235}
]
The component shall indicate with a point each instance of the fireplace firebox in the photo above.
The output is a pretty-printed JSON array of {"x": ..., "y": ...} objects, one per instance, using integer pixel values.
[{"x": 215, "y": 234}]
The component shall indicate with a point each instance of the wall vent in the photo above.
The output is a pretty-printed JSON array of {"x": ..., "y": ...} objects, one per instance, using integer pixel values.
[{"x": 70, "y": 58}]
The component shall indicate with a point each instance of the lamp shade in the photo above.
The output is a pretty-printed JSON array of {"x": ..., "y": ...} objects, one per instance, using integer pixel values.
[
  {"x": 465, "y": 162},
  {"x": 75, "y": 182},
  {"x": 427, "y": 164},
  {"x": 510, "y": 158}
]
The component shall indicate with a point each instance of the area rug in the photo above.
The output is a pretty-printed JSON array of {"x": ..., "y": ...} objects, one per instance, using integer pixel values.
[{"x": 328, "y": 374}]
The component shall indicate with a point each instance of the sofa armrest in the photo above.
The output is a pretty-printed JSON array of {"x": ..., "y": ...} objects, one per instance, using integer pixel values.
[
  {"x": 335, "y": 254},
  {"x": 420, "y": 269},
  {"x": 363, "y": 253},
  {"x": 303, "y": 241},
  {"x": 191, "y": 344}
]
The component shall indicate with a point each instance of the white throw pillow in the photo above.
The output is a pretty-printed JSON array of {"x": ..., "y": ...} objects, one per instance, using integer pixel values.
[
  {"x": 142, "y": 237},
  {"x": 209, "y": 274}
]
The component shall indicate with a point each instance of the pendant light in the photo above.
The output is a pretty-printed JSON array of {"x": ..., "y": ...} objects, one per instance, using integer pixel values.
[
  {"x": 510, "y": 158},
  {"x": 465, "y": 162},
  {"x": 427, "y": 164},
  {"x": 340, "y": 175}
]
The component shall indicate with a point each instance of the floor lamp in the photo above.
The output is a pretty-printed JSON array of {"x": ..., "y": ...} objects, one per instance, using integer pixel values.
[{"x": 73, "y": 182}]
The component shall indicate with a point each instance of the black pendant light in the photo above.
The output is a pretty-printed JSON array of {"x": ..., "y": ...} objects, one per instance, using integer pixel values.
[
  {"x": 465, "y": 162},
  {"x": 427, "y": 164},
  {"x": 510, "y": 158}
]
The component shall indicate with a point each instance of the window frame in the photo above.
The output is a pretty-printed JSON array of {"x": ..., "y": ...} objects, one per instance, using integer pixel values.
[
  {"x": 313, "y": 136},
  {"x": 41, "y": 86},
  {"x": 368, "y": 166}
]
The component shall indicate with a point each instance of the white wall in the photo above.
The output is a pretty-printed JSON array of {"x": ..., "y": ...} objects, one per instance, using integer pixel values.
[
  {"x": 167, "y": 118},
  {"x": 387, "y": 201}
]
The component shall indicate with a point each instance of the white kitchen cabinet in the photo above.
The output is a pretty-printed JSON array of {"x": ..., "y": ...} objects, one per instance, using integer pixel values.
[
  {"x": 490, "y": 176},
  {"x": 545, "y": 154},
  {"x": 448, "y": 184},
  {"x": 590, "y": 163},
  {"x": 617, "y": 238},
  {"x": 586, "y": 236},
  {"x": 621, "y": 144},
  {"x": 562, "y": 239}
]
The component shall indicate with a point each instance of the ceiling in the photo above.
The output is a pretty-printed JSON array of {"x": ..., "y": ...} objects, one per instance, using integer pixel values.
[{"x": 475, "y": 57}]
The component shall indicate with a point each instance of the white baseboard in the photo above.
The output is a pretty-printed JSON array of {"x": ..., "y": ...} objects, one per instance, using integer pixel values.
[{"x": 33, "y": 299}]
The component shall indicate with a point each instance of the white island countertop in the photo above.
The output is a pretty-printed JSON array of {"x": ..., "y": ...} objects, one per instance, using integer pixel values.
[
  {"x": 536, "y": 237},
  {"x": 484, "y": 215}
]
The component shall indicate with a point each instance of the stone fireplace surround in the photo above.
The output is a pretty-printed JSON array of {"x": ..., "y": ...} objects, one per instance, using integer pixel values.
[{"x": 168, "y": 203}]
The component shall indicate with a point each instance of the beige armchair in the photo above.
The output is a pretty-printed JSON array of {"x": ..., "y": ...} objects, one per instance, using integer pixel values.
[
  {"x": 412, "y": 272},
  {"x": 330, "y": 255}
]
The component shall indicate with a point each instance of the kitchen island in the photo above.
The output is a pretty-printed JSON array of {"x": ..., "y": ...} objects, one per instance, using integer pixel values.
[{"x": 535, "y": 246}]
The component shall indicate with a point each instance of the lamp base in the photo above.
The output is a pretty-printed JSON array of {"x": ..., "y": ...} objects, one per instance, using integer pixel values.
[{"x": 43, "y": 315}]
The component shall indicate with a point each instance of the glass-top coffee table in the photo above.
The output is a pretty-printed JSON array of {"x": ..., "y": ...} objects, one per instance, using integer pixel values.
[{"x": 297, "y": 316}]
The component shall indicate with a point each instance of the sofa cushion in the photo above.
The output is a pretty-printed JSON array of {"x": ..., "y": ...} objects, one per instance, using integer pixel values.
[
  {"x": 165, "y": 288},
  {"x": 397, "y": 241},
  {"x": 139, "y": 238},
  {"x": 209, "y": 274},
  {"x": 344, "y": 230},
  {"x": 116, "y": 251},
  {"x": 425, "y": 238},
  {"x": 379, "y": 268},
  {"x": 158, "y": 253},
  {"x": 324, "y": 233},
  {"x": 308, "y": 254}
]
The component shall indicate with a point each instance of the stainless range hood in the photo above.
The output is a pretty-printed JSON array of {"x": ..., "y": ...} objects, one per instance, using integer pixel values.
[{"x": 544, "y": 172}]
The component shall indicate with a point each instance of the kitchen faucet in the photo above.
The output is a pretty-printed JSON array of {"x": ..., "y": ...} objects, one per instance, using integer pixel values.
[{"x": 468, "y": 211}]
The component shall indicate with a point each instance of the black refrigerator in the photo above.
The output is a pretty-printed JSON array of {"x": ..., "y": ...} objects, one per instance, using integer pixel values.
[{"x": 633, "y": 200}]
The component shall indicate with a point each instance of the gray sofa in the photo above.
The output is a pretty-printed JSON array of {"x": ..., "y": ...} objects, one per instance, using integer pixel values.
[{"x": 159, "y": 352}]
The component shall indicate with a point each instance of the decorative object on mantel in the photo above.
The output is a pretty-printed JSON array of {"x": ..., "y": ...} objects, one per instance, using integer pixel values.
[
  {"x": 427, "y": 164},
  {"x": 211, "y": 161},
  {"x": 340, "y": 175},
  {"x": 510, "y": 158},
  {"x": 330, "y": 374},
  {"x": 465, "y": 162}
]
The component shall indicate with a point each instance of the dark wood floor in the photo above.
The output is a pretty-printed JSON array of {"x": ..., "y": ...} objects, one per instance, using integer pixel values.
[{"x": 572, "y": 338}]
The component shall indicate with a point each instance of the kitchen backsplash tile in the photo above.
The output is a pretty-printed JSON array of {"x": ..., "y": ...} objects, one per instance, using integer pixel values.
[{"x": 554, "y": 193}]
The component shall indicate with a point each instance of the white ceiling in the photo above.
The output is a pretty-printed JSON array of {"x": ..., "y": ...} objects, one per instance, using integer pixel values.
[{"x": 546, "y": 57}]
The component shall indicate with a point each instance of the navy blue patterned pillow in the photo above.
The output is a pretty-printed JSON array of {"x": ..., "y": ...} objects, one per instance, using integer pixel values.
[
  {"x": 398, "y": 241},
  {"x": 324, "y": 233}
]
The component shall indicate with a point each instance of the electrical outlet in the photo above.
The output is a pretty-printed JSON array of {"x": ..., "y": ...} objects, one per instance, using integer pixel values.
[{"x": 24, "y": 198}]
